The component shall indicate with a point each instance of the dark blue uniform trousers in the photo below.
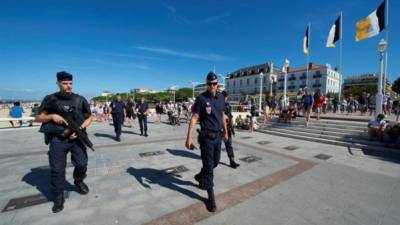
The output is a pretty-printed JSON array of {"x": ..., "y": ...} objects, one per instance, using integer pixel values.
[
  {"x": 59, "y": 149},
  {"x": 210, "y": 156},
  {"x": 228, "y": 146},
  {"x": 143, "y": 123},
  {"x": 118, "y": 120}
]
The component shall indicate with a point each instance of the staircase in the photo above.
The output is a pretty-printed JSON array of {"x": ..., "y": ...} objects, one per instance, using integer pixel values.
[{"x": 335, "y": 132}]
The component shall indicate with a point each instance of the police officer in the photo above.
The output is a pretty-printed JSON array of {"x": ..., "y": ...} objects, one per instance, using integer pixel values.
[
  {"x": 209, "y": 110},
  {"x": 142, "y": 111},
  {"x": 61, "y": 145},
  {"x": 231, "y": 131},
  {"x": 117, "y": 109}
]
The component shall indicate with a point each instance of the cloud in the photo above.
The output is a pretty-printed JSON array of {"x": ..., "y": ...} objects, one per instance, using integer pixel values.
[
  {"x": 216, "y": 18},
  {"x": 126, "y": 55},
  {"x": 173, "y": 14},
  {"x": 166, "y": 51}
]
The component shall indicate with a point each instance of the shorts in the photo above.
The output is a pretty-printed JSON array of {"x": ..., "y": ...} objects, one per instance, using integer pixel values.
[
  {"x": 131, "y": 116},
  {"x": 306, "y": 108},
  {"x": 318, "y": 109}
]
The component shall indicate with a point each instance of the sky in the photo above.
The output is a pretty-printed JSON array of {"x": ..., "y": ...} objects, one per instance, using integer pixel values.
[{"x": 120, "y": 45}]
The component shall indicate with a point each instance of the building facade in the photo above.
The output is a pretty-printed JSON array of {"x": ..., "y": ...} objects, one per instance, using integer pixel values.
[
  {"x": 246, "y": 81},
  {"x": 364, "y": 81}
]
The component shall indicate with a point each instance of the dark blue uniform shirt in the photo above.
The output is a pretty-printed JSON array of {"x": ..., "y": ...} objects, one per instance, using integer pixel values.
[
  {"x": 210, "y": 109},
  {"x": 142, "y": 107},
  {"x": 117, "y": 107}
]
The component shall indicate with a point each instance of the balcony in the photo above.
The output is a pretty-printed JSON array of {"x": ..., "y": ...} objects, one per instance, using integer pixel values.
[
  {"x": 303, "y": 77},
  {"x": 317, "y": 85},
  {"x": 280, "y": 79},
  {"x": 280, "y": 88},
  {"x": 292, "y": 78},
  {"x": 317, "y": 75},
  {"x": 302, "y": 86},
  {"x": 292, "y": 87}
]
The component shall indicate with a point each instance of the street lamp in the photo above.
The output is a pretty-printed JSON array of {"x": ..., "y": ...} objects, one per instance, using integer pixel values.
[
  {"x": 285, "y": 65},
  {"x": 261, "y": 86},
  {"x": 193, "y": 86},
  {"x": 379, "y": 97},
  {"x": 174, "y": 89}
]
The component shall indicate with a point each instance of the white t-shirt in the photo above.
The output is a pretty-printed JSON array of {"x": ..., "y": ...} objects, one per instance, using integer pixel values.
[{"x": 376, "y": 123}]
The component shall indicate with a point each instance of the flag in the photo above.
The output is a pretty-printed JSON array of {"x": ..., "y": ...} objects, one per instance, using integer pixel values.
[
  {"x": 371, "y": 25},
  {"x": 306, "y": 41},
  {"x": 334, "y": 34}
]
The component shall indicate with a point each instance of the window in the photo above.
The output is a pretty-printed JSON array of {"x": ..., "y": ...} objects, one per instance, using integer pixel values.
[
  {"x": 264, "y": 79},
  {"x": 255, "y": 80},
  {"x": 248, "y": 81},
  {"x": 241, "y": 83},
  {"x": 234, "y": 83},
  {"x": 255, "y": 90}
]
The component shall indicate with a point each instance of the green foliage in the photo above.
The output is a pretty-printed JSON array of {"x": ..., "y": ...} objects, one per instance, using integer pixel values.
[{"x": 181, "y": 94}]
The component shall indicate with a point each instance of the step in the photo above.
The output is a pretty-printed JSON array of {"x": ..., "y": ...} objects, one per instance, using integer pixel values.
[
  {"x": 324, "y": 123},
  {"x": 316, "y": 131},
  {"x": 319, "y": 127},
  {"x": 331, "y": 142},
  {"x": 345, "y": 138}
]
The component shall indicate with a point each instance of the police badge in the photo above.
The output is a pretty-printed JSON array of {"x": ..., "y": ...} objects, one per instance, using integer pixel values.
[{"x": 208, "y": 108}]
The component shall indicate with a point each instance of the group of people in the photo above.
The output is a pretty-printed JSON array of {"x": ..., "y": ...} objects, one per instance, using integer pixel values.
[
  {"x": 210, "y": 109},
  {"x": 384, "y": 132}
]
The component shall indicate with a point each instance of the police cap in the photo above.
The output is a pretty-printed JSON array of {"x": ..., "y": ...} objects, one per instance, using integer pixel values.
[
  {"x": 64, "y": 76},
  {"x": 211, "y": 76}
]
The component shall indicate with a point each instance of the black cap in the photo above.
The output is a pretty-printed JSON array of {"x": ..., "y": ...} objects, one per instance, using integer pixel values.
[
  {"x": 211, "y": 76},
  {"x": 63, "y": 76},
  {"x": 224, "y": 93}
]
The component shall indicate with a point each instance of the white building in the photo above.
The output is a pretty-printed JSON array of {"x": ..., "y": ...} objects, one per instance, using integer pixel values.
[
  {"x": 247, "y": 80},
  {"x": 105, "y": 93}
]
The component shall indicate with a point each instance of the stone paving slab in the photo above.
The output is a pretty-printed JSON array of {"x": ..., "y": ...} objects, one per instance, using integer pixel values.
[{"x": 283, "y": 187}]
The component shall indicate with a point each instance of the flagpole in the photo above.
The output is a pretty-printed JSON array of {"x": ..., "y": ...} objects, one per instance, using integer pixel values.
[
  {"x": 309, "y": 48},
  {"x": 341, "y": 56},
  {"x": 387, "y": 41}
]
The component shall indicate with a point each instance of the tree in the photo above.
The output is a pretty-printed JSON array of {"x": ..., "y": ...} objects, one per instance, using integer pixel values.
[{"x": 396, "y": 86}]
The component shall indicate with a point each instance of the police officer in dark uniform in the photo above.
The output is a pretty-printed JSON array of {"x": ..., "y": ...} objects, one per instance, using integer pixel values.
[
  {"x": 231, "y": 131},
  {"x": 117, "y": 108},
  {"x": 209, "y": 110},
  {"x": 60, "y": 144},
  {"x": 142, "y": 111}
]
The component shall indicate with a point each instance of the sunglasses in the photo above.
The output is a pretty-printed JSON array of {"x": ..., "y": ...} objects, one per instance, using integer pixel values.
[{"x": 212, "y": 84}]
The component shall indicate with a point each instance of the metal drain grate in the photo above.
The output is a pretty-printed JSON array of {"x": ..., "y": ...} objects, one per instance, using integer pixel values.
[
  {"x": 263, "y": 142},
  {"x": 175, "y": 171},
  {"x": 250, "y": 159},
  {"x": 148, "y": 154},
  {"x": 323, "y": 156},
  {"x": 27, "y": 201},
  {"x": 291, "y": 147}
]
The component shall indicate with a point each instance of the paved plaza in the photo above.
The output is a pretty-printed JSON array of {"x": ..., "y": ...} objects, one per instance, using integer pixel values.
[{"x": 281, "y": 181}]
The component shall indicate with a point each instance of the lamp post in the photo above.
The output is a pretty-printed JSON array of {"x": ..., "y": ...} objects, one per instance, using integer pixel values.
[
  {"x": 193, "y": 85},
  {"x": 379, "y": 97},
  {"x": 285, "y": 65},
  {"x": 174, "y": 89},
  {"x": 261, "y": 86}
]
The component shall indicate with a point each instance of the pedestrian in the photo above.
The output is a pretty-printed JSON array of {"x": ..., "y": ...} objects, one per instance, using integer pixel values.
[
  {"x": 307, "y": 103},
  {"x": 16, "y": 112},
  {"x": 117, "y": 110},
  {"x": 318, "y": 103},
  {"x": 130, "y": 111},
  {"x": 253, "y": 114},
  {"x": 231, "y": 131},
  {"x": 142, "y": 111},
  {"x": 59, "y": 144},
  {"x": 209, "y": 110},
  {"x": 267, "y": 109},
  {"x": 34, "y": 112},
  {"x": 159, "y": 111}
]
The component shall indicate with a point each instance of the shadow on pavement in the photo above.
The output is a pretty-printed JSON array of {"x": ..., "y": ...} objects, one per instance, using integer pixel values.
[
  {"x": 129, "y": 132},
  {"x": 385, "y": 156},
  {"x": 39, "y": 177},
  {"x": 162, "y": 178},
  {"x": 183, "y": 153},
  {"x": 104, "y": 135}
]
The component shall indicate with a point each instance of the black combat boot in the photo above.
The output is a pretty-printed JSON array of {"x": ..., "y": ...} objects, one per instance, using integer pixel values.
[
  {"x": 211, "y": 205},
  {"x": 233, "y": 164},
  {"x": 83, "y": 189},
  {"x": 58, "y": 203},
  {"x": 145, "y": 134},
  {"x": 141, "y": 132}
]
